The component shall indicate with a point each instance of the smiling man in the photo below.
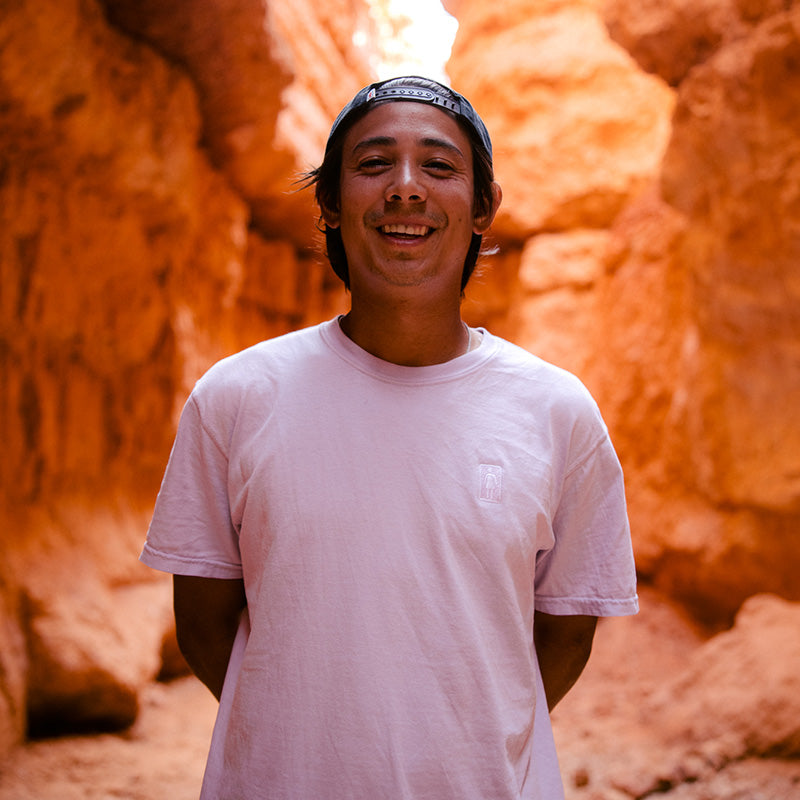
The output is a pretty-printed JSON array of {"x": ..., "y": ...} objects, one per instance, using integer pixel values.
[
  {"x": 391, "y": 534},
  {"x": 406, "y": 217}
]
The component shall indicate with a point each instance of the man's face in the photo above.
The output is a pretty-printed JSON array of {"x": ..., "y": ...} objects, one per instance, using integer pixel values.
[{"x": 406, "y": 204}]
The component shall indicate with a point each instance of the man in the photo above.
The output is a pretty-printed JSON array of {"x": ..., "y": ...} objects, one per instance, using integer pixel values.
[{"x": 392, "y": 534}]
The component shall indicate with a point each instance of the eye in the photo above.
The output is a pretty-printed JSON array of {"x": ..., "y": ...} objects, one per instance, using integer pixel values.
[
  {"x": 373, "y": 163},
  {"x": 438, "y": 165}
]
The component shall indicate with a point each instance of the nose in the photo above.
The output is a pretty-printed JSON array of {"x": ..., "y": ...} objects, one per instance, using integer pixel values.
[{"x": 406, "y": 184}]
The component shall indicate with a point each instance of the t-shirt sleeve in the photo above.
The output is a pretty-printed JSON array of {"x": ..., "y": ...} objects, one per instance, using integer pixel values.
[
  {"x": 590, "y": 568},
  {"x": 191, "y": 532}
]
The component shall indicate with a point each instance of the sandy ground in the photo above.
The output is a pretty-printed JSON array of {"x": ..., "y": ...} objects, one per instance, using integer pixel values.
[
  {"x": 598, "y": 731},
  {"x": 160, "y": 758}
]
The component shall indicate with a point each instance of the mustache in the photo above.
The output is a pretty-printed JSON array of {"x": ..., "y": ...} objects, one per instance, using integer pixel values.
[{"x": 390, "y": 214}]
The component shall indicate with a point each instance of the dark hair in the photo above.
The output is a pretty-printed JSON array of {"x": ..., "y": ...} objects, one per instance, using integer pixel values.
[{"x": 327, "y": 176}]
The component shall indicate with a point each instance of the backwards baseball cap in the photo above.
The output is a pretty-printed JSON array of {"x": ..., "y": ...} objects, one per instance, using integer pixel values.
[{"x": 415, "y": 89}]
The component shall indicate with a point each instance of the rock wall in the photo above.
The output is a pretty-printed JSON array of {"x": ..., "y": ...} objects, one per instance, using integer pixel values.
[
  {"x": 652, "y": 246},
  {"x": 147, "y": 227},
  {"x": 683, "y": 717},
  {"x": 648, "y": 242},
  {"x": 665, "y": 273},
  {"x": 270, "y": 78},
  {"x": 716, "y": 493}
]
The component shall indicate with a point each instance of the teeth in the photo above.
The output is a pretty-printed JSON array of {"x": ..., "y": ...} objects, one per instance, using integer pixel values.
[{"x": 409, "y": 230}]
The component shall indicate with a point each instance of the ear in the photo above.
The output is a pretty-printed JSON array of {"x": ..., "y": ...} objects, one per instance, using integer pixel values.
[
  {"x": 330, "y": 218},
  {"x": 484, "y": 222}
]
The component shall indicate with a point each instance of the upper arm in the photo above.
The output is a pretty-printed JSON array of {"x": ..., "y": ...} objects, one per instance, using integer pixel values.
[
  {"x": 575, "y": 632},
  {"x": 563, "y": 645},
  {"x": 207, "y": 602},
  {"x": 207, "y": 615}
]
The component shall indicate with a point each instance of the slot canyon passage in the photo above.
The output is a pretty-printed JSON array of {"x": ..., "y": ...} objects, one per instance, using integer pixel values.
[{"x": 649, "y": 241}]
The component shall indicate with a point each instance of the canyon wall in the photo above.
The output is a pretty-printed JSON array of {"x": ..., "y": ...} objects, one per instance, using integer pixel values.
[
  {"x": 652, "y": 246},
  {"x": 148, "y": 226},
  {"x": 649, "y": 242},
  {"x": 720, "y": 487}
]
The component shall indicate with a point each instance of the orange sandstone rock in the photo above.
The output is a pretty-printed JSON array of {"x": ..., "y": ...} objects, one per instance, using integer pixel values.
[
  {"x": 681, "y": 312},
  {"x": 671, "y": 38},
  {"x": 732, "y": 168},
  {"x": 741, "y": 687},
  {"x": 577, "y": 127},
  {"x": 129, "y": 264},
  {"x": 270, "y": 78}
]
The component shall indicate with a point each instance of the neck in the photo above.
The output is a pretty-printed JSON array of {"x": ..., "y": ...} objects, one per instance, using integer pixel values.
[{"x": 407, "y": 337}]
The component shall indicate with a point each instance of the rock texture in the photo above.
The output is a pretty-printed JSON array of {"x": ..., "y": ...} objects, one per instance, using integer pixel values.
[
  {"x": 264, "y": 78},
  {"x": 683, "y": 717},
  {"x": 665, "y": 272},
  {"x": 734, "y": 156},
  {"x": 577, "y": 127},
  {"x": 133, "y": 255},
  {"x": 715, "y": 490},
  {"x": 735, "y": 688},
  {"x": 670, "y": 38}
]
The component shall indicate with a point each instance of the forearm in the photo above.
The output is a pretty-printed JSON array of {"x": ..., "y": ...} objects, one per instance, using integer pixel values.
[
  {"x": 563, "y": 646},
  {"x": 207, "y": 615}
]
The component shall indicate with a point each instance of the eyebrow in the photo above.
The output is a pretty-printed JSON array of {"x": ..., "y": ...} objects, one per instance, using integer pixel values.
[{"x": 387, "y": 141}]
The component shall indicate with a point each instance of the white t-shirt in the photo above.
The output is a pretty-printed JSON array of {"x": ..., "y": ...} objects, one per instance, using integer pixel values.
[{"x": 395, "y": 527}]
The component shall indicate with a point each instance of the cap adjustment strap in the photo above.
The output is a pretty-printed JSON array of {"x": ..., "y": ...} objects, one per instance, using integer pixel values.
[{"x": 423, "y": 95}]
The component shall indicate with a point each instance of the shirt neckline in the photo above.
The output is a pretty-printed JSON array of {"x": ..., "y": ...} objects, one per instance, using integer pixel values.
[{"x": 375, "y": 367}]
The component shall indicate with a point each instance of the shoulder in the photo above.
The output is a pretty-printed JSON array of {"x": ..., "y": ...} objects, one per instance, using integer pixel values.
[
  {"x": 252, "y": 379},
  {"x": 260, "y": 364},
  {"x": 550, "y": 384},
  {"x": 552, "y": 399}
]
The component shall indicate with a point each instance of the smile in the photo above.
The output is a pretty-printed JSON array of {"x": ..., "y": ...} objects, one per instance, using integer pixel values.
[{"x": 405, "y": 230}]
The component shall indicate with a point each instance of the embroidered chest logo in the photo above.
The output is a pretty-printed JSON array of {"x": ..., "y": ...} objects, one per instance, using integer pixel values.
[{"x": 491, "y": 483}]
